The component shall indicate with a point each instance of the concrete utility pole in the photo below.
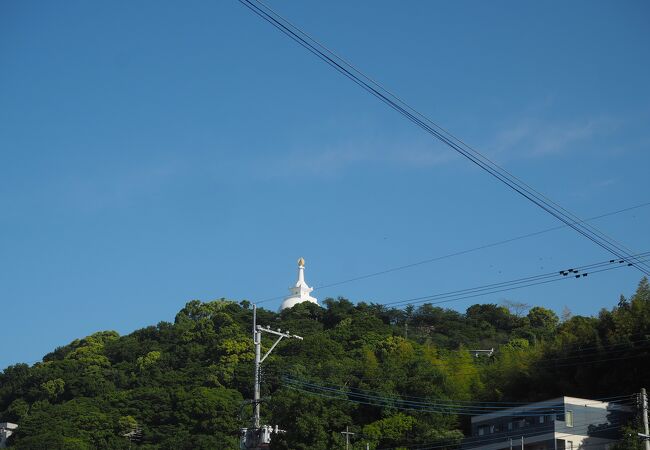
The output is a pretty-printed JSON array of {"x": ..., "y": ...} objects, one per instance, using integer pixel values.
[
  {"x": 347, "y": 435},
  {"x": 259, "y": 359},
  {"x": 259, "y": 436},
  {"x": 256, "y": 394},
  {"x": 522, "y": 443},
  {"x": 644, "y": 414},
  {"x": 256, "y": 377}
]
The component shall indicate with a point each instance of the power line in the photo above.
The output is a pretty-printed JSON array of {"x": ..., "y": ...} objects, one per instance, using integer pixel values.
[
  {"x": 399, "y": 105},
  {"x": 458, "y": 253},
  {"x": 444, "y": 404},
  {"x": 463, "y": 252},
  {"x": 431, "y": 407},
  {"x": 331, "y": 58},
  {"x": 519, "y": 283},
  {"x": 427, "y": 407},
  {"x": 469, "y": 404}
]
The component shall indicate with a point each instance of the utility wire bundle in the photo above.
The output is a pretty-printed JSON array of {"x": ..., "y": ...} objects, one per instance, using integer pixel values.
[
  {"x": 441, "y": 406},
  {"x": 474, "y": 249},
  {"x": 574, "y": 272},
  {"x": 517, "y": 411},
  {"x": 451, "y": 255},
  {"x": 373, "y": 87},
  {"x": 550, "y": 277}
]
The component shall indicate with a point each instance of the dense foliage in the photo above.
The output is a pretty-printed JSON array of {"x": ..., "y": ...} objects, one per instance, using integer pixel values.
[{"x": 182, "y": 385}]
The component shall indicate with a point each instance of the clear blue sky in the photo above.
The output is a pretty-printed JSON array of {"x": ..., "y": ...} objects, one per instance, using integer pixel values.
[{"x": 155, "y": 152}]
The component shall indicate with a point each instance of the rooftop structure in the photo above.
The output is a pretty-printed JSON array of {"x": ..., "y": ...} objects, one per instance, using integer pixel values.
[
  {"x": 564, "y": 423},
  {"x": 6, "y": 430},
  {"x": 300, "y": 291},
  {"x": 477, "y": 353}
]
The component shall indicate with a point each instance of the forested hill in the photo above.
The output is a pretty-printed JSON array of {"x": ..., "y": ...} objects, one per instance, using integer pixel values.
[{"x": 182, "y": 385}]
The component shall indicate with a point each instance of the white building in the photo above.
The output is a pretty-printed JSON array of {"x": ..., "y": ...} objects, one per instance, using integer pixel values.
[
  {"x": 564, "y": 423},
  {"x": 300, "y": 292},
  {"x": 6, "y": 430}
]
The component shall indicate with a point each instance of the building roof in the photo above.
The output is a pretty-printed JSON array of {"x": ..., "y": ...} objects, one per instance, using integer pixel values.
[{"x": 548, "y": 405}]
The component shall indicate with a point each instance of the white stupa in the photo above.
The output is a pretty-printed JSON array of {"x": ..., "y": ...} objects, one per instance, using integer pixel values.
[{"x": 300, "y": 292}]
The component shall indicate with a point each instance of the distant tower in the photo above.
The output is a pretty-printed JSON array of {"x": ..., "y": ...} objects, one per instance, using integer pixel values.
[{"x": 300, "y": 292}]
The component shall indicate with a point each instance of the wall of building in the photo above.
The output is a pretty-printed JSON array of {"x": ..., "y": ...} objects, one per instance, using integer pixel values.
[
  {"x": 590, "y": 420},
  {"x": 6, "y": 430},
  {"x": 549, "y": 425}
]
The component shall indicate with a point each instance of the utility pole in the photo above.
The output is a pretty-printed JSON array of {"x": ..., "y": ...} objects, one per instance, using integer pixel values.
[
  {"x": 510, "y": 443},
  {"x": 256, "y": 374},
  {"x": 257, "y": 341},
  {"x": 347, "y": 435},
  {"x": 259, "y": 359},
  {"x": 644, "y": 414},
  {"x": 522, "y": 442}
]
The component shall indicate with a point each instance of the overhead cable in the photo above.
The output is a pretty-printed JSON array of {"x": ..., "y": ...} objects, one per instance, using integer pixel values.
[
  {"x": 450, "y": 255},
  {"x": 393, "y": 101},
  {"x": 438, "y": 405},
  {"x": 428, "y": 407},
  {"x": 519, "y": 283}
]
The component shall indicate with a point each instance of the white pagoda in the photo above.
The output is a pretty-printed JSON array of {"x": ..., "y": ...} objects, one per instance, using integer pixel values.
[{"x": 300, "y": 292}]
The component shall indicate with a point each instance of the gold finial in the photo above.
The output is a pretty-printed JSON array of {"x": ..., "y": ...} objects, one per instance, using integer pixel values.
[{"x": 301, "y": 262}]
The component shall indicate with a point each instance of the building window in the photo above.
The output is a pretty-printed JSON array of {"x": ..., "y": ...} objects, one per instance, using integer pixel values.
[
  {"x": 542, "y": 419},
  {"x": 509, "y": 426},
  {"x": 569, "y": 418}
]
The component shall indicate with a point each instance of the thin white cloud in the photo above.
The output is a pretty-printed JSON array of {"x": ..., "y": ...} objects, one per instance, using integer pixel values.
[
  {"x": 348, "y": 156},
  {"x": 111, "y": 188},
  {"x": 530, "y": 135},
  {"x": 534, "y": 137},
  {"x": 595, "y": 188}
]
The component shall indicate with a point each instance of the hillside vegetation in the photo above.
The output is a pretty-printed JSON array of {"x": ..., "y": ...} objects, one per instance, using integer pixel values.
[{"x": 183, "y": 385}]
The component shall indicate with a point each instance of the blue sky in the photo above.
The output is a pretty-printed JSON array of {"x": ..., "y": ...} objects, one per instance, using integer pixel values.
[{"x": 157, "y": 152}]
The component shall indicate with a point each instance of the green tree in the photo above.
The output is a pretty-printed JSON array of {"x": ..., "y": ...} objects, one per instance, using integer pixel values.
[{"x": 53, "y": 388}]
